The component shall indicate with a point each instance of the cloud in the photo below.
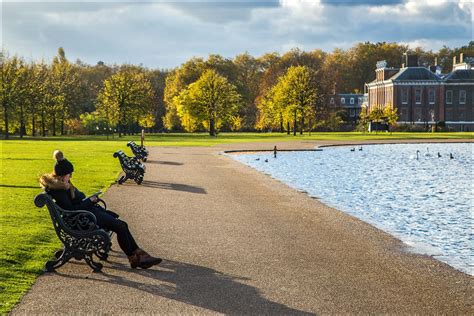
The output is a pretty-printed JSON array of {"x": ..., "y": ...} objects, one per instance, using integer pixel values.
[
  {"x": 362, "y": 2},
  {"x": 218, "y": 11},
  {"x": 165, "y": 34}
]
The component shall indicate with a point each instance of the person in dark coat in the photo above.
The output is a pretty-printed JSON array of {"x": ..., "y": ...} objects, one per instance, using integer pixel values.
[{"x": 59, "y": 186}]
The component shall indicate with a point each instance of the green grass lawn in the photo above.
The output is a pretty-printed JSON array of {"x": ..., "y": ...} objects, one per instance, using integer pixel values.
[
  {"x": 203, "y": 139},
  {"x": 27, "y": 238}
]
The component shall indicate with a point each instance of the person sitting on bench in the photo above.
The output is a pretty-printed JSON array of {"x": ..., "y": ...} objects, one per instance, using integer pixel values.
[{"x": 58, "y": 185}]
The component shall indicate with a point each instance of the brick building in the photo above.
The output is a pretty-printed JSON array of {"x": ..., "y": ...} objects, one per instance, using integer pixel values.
[
  {"x": 350, "y": 103},
  {"x": 425, "y": 96}
]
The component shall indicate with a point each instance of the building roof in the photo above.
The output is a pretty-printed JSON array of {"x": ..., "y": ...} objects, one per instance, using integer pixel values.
[
  {"x": 459, "y": 74},
  {"x": 415, "y": 73},
  {"x": 350, "y": 95}
]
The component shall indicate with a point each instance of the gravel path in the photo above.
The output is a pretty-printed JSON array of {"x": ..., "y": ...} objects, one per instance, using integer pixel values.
[{"x": 238, "y": 242}]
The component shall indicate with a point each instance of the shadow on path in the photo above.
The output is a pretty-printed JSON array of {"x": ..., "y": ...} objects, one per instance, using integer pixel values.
[
  {"x": 171, "y": 163},
  {"x": 171, "y": 186},
  {"x": 197, "y": 286}
]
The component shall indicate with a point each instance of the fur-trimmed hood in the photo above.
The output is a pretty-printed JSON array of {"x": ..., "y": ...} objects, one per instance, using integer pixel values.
[{"x": 49, "y": 182}]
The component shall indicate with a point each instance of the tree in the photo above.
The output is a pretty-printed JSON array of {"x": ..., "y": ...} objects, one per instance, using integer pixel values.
[
  {"x": 158, "y": 82},
  {"x": 125, "y": 98},
  {"x": 364, "y": 119},
  {"x": 390, "y": 115},
  {"x": 294, "y": 96},
  {"x": 11, "y": 87},
  {"x": 248, "y": 76},
  {"x": 37, "y": 95},
  {"x": 376, "y": 115},
  {"x": 177, "y": 81},
  {"x": 211, "y": 100},
  {"x": 64, "y": 82}
]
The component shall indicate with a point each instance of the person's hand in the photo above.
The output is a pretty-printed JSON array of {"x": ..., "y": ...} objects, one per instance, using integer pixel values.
[{"x": 94, "y": 199}]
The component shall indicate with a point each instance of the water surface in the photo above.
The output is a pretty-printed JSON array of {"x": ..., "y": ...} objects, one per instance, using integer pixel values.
[{"x": 427, "y": 202}]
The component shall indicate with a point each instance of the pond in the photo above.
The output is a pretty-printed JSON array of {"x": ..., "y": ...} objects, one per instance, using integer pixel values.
[{"x": 426, "y": 202}]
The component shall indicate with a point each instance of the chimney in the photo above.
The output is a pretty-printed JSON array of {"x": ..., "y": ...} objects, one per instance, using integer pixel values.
[
  {"x": 454, "y": 60},
  {"x": 411, "y": 60},
  {"x": 436, "y": 61},
  {"x": 461, "y": 58}
]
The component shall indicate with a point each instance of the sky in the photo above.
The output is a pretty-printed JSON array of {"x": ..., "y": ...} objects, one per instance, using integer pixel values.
[{"x": 164, "y": 34}]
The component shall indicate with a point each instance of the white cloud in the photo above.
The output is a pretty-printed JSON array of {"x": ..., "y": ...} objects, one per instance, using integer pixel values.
[{"x": 165, "y": 34}]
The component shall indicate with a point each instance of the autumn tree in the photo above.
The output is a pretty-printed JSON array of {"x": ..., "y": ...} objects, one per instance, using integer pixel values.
[
  {"x": 293, "y": 97},
  {"x": 376, "y": 115},
  {"x": 11, "y": 87},
  {"x": 390, "y": 116},
  {"x": 126, "y": 97},
  {"x": 364, "y": 119},
  {"x": 176, "y": 82},
  {"x": 63, "y": 83},
  {"x": 248, "y": 71},
  {"x": 211, "y": 100}
]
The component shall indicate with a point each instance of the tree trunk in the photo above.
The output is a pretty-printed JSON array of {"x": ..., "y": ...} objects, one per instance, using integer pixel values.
[
  {"x": 33, "y": 131},
  {"x": 22, "y": 122},
  {"x": 288, "y": 128},
  {"x": 62, "y": 124},
  {"x": 43, "y": 124},
  {"x": 294, "y": 124},
  {"x": 302, "y": 124},
  {"x": 212, "y": 126},
  {"x": 54, "y": 124},
  {"x": 5, "y": 111}
]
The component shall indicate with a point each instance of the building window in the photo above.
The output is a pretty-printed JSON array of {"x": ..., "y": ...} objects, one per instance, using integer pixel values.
[
  {"x": 352, "y": 100},
  {"x": 331, "y": 101},
  {"x": 431, "y": 96},
  {"x": 404, "y": 115},
  {"x": 404, "y": 95},
  {"x": 418, "y": 96},
  {"x": 418, "y": 114},
  {"x": 359, "y": 100},
  {"x": 462, "y": 96},
  {"x": 343, "y": 101},
  {"x": 353, "y": 113},
  {"x": 449, "y": 114},
  {"x": 449, "y": 96}
]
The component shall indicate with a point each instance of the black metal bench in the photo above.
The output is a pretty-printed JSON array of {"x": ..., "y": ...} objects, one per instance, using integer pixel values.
[
  {"x": 79, "y": 234},
  {"x": 131, "y": 166},
  {"x": 140, "y": 152}
]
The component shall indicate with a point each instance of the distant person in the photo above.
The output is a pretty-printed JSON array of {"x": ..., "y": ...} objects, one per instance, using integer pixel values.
[{"x": 58, "y": 185}]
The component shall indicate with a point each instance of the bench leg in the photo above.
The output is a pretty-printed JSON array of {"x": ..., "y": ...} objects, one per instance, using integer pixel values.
[
  {"x": 103, "y": 254},
  {"x": 61, "y": 258},
  {"x": 96, "y": 266},
  {"x": 122, "y": 179}
]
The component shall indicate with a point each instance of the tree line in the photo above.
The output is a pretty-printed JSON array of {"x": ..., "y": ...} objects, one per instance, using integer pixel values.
[{"x": 274, "y": 92}]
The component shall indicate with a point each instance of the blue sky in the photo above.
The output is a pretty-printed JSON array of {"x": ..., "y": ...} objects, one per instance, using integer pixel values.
[{"x": 164, "y": 34}]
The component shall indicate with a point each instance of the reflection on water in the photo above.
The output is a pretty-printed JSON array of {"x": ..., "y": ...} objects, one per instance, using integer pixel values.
[{"x": 426, "y": 202}]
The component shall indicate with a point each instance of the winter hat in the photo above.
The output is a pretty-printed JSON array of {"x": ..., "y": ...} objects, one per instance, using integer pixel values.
[{"x": 62, "y": 166}]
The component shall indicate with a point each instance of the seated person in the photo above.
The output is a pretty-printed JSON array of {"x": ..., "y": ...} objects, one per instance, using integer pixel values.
[{"x": 59, "y": 186}]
